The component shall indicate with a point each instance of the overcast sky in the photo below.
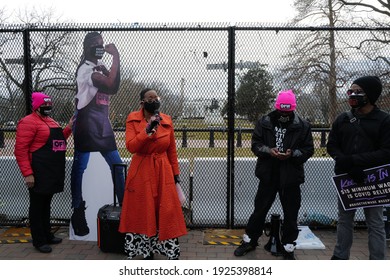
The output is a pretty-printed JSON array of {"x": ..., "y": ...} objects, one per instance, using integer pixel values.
[{"x": 151, "y": 11}]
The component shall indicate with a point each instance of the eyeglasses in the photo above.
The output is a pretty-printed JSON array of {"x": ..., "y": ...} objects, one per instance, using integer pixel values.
[{"x": 350, "y": 91}]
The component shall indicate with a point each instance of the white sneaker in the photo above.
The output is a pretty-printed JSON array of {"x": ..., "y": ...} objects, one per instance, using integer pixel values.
[
  {"x": 246, "y": 238},
  {"x": 289, "y": 248}
]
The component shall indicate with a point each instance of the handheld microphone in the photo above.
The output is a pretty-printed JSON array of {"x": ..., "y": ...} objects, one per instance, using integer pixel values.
[
  {"x": 157, "y": 119},
  {"x": 155, "y": 122}
]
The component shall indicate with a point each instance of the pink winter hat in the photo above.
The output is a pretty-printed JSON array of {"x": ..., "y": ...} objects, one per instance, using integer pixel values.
[
  {"x": 286, "y": 101},
  {"x": 39, "y": 98}
]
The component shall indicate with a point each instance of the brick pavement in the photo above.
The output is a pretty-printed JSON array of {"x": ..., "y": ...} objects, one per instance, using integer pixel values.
[{"x": 192, "y": 248}]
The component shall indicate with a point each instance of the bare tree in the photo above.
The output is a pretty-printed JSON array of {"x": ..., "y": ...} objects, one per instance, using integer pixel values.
[
  {"x": 374, "y": 46},
  {"x": 379, "y": 7},
  {"x": 51, "y": 66},
  {"x": 315, "y": 59}
]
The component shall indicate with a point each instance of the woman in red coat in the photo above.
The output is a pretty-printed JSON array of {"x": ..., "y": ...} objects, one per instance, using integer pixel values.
[
  {"x": 151, "y": 215},
  {"x": 40, "y": 153}
]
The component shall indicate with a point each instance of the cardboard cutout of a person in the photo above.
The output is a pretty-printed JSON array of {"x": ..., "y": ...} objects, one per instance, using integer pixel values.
[{"x": 92, "y": 128}]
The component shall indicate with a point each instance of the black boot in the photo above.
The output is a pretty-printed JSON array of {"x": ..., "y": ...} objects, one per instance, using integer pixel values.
[
  {"x": 79, "y": 223},
  {"x": 335, "y": 258}
]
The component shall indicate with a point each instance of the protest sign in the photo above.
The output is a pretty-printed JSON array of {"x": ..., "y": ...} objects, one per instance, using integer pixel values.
[{"x": 375, "y": 190}]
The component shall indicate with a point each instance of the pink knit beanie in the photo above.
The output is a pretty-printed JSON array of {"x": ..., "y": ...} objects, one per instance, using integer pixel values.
[
  {"x": 39, "y": 98},
  {"x": 286, "y": 101}
]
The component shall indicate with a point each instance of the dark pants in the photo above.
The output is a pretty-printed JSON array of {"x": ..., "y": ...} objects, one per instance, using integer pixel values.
[
  {"x": 80, "y": 162},
  {"x": 290, "y": 198},
  {"x": 39, "y": 214}
]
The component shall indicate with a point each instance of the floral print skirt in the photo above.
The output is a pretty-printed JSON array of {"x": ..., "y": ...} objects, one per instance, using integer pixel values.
[{"x": 140, "y": 244}]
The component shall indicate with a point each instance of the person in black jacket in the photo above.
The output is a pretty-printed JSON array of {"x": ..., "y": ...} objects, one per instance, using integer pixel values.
[
  {"x": 355, "y": 149},
  {"x": 283, "y": 142}
]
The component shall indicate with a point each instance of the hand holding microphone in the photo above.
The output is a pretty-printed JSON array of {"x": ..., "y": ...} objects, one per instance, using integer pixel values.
[{"x": 154, "y": 122}]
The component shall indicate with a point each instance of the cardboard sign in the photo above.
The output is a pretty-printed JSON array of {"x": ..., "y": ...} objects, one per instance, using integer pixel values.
[{"x": 374, "y": 192}]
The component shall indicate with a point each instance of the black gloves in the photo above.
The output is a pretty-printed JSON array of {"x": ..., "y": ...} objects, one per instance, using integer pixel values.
[
  {"x": 345, "y": 163},
  {"x": 177, "y": 179},
  {"x": 357, "y": 174}
]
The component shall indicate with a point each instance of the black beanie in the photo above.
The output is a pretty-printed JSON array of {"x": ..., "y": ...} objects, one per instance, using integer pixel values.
[{"x": 371, "y": 85}]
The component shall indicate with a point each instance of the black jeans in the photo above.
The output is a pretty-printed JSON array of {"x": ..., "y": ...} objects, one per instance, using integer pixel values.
[
  {"x": 290, "y": 198},
  {"x": 39, "y": 215}
]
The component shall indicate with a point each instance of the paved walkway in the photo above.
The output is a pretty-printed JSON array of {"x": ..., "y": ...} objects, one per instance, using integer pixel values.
[{"x": 192, "y": 248}]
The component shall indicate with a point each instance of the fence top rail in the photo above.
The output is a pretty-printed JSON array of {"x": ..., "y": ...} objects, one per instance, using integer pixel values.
[{"x": 68, "y": 27}]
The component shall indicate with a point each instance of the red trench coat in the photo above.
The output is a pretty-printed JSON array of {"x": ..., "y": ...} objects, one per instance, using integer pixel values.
[{"x": 150, "y": 201}]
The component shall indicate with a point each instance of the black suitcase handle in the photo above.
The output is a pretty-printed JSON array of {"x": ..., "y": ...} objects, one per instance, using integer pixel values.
[{"x": 114, "y": 168}]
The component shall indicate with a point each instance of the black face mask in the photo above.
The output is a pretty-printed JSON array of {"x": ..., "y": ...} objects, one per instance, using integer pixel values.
[
  {"x": 357, "y": 100},
  {"x": 97, "y": 51},
  {"x": 45, "y": 110},
  {"x": 151, "y": 107},
  {"x": 284, "y": 119},
  {"x": 285, "y": 116}
]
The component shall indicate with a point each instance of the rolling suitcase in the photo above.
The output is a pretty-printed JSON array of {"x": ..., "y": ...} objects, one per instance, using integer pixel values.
[{"x": 110, "y": 240}]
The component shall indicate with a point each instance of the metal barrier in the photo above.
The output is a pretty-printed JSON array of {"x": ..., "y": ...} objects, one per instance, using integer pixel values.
[
  {"x": 205, "y": 189},
  {"x": 198, "y": 70}
]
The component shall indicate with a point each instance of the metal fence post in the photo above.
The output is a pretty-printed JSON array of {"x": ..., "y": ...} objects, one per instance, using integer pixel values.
[
  {"x": 239, "y": 138},
  {"x": 323, "y": 139},
  {"x": 211, "y": 144},
  {"x": 184, "y": 138}
]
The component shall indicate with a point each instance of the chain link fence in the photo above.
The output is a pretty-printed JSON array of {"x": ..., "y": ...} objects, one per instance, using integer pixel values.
[{"x": 200, "y": 71}]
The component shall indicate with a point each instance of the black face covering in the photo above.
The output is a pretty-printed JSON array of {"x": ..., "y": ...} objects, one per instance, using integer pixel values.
[
  {"x": 357, "y": 100},
  {"x": 45, "y": 110},
  {"x": 97, "y": 51},
  {"x": 152, "y": 106},
  {"x": 284, "y": 117}
]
